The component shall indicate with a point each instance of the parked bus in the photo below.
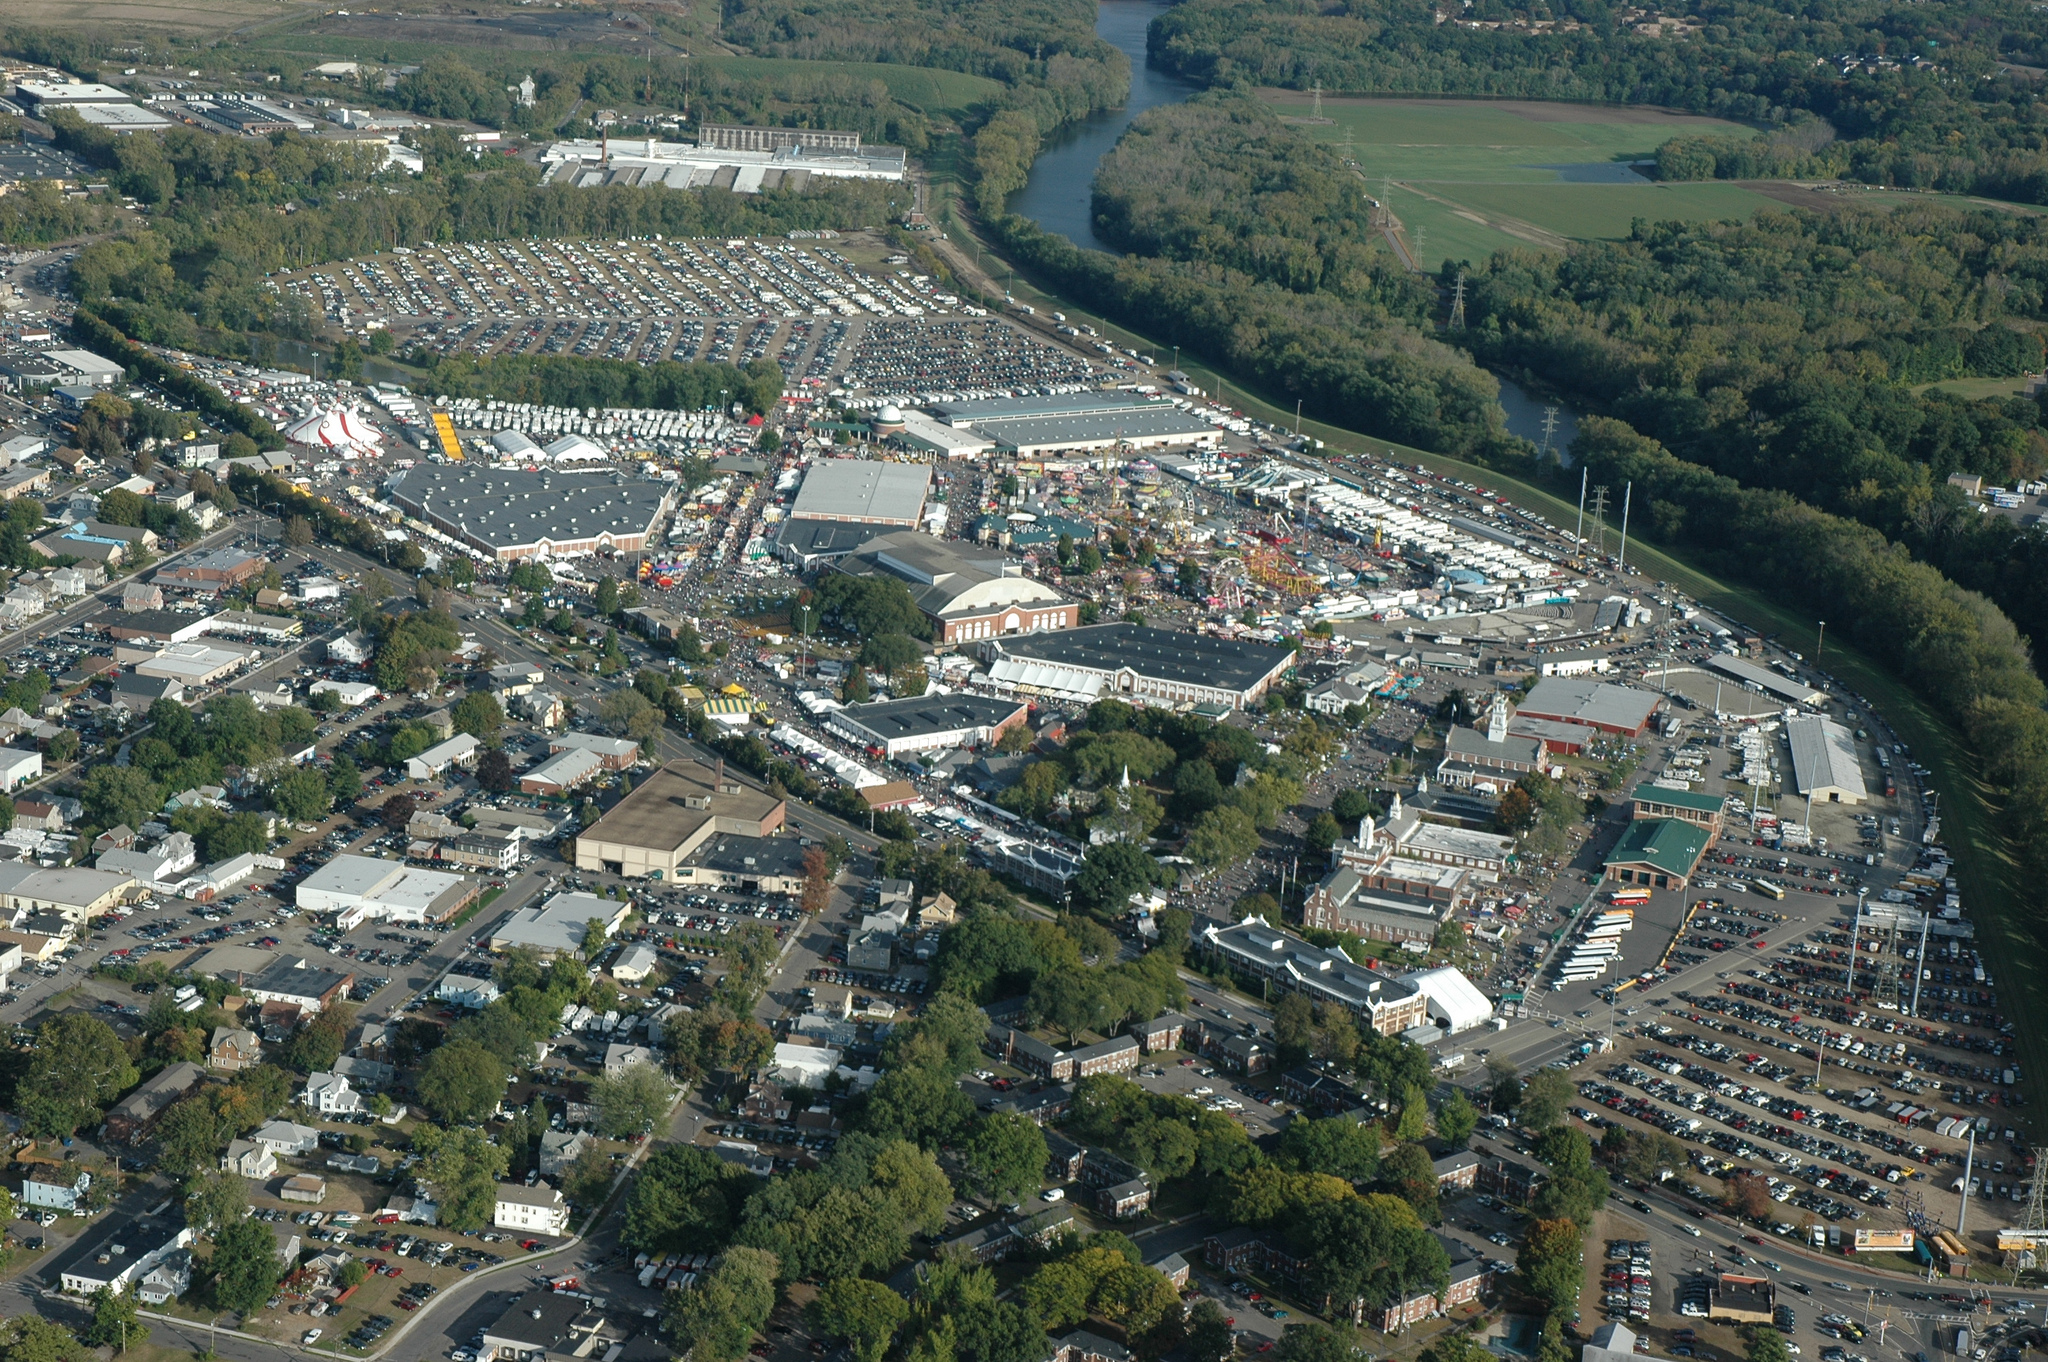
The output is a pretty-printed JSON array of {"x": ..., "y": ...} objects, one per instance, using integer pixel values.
[
  {"x": 1769, "y": 890},
  {"x": 1629, "y": 897}
]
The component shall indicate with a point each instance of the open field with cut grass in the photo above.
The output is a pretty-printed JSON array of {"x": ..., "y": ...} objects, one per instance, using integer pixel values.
[
  {"x": 152, "y": 16},
  {"x": 1470, "y": 177}
]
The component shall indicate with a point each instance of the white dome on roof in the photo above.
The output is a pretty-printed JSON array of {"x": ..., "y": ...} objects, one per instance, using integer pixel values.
[{"x": 890, "y": 415}]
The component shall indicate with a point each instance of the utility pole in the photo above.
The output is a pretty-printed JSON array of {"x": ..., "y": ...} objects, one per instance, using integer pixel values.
[
  {"x": 1820, "y": 643},
  {"x": 1626, "y": 494},
  {"x": 1920, "y": 971},
  {"x": 1580, "y": 533},
  {"x": 1963, "y": 1201}
]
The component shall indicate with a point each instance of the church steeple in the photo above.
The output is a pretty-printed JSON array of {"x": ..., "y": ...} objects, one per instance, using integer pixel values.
[{"x": 1497, "y": 719}]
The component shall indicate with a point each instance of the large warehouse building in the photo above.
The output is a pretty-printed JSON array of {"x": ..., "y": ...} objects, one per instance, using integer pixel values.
[
  {"x": 967, "y": 591},
  {"x": 863, "y": 492},
  {"x": 926, "y": 723},
  {"x": 1072, "y": 422},
  {"x": 1824, "y": 764},
  {"x": 360, "y": 889},
  {"x": 511, "y": 514},
  {"x": 1600, "y": 705},
  {"x": 652, "y": 831},
  {"x": 1136, "y": 662}
]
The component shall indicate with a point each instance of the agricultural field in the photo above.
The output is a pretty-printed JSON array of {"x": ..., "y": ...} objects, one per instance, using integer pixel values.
[
  {"x": 181, "y": 17},
  {"x": 1470, "y": 177}
]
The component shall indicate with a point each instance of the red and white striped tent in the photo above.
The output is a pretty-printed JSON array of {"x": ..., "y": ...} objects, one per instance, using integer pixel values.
[{"x": 336, "y": 432}]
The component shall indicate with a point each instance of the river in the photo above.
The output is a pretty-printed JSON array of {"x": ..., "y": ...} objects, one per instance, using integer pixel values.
[{"x": 1058, "y": 195}]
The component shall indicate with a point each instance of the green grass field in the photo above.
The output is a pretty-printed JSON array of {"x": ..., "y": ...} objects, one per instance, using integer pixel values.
[{"x": 1468, "y": 177}]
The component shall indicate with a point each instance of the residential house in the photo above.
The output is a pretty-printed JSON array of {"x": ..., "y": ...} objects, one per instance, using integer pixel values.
[
  {"x": 233, "y": 1049},
  {"x": 559, "y": 1149},
  {"x": 167, "y": 1279},
  {"x": 1128, "y": 1198},
  {"x": 249, "y": 1159},
  {"x": 330, "y": 1095},
  {"x": 619, "y": 1058},
  {"x": 60, "y": 1188},
  {"x": 135, "y": 1115},
  {"x": 287, "y": 1138},
  {"x": 538, "y": 1209}
]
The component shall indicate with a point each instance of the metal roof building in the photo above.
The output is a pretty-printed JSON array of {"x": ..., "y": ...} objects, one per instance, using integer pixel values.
[
  {"x": 922, "y": 723},
  {"x": 1824, "y": 764},
  {"x": 1593, "y": 704},
  {"x": 511, "y": 514},
  {"x": 863, "y": 491},
  {"x": 1137, "y": 662},
  {"x": 1150, "y": 427},
  {"x": 1764, "y": 679},
  {"x": 974, "y": 411},
  {"x": 1663, "y": 852}
]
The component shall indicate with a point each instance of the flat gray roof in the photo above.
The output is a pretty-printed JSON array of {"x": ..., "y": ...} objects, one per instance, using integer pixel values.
[
  {"x": 503, "y": 509},
  {"x": 1599, "y": 703},
  {"x": 863, "y": 490},
  {"x": 1159, "y": 421},
  {"x": 974, "y": 411}
]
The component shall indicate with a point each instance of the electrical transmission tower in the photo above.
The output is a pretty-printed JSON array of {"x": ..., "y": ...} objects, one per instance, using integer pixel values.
[
  {"x": 1600, "y": 518},
  {"x": 1886, "y": 994},
  {"x": 1316, "y": 105},
  {"x": 1458, "y": 303},
  {"x": 2037, "y": 1199},
  {"x": 1549, "y": 427}
]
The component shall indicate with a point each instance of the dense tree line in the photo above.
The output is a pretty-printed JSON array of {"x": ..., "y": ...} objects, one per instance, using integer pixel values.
[
  {"x": 1220, "y": 180},
  {"x": 1350, "y": 363},
  {"x": 1953, "y": 122},
  {"x": 1782, "y": 351},
  {"x": 1046, "y": 51}
]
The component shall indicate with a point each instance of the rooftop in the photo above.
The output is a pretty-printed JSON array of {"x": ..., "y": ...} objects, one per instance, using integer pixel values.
[
  {"x": 1161, "y": 421},
  {"x": 1824, "y": 757},
  {"x": 1157, "y": 654},
  {"x": 1600, "y": 703},
  {"x": 503, "y": 509},
  {"x": 671, "y": 805},
  {"x": 1673, "y": 797},
  {"x": 973, "y": 411},
  {"x": 1666, "y": 844},
  {"x": 863, "y": 489},
  {"x": 924, "y": 715}
]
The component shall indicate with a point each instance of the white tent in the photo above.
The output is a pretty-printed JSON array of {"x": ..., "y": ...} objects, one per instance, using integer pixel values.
[
  {"x": 336, "y": 430},
  {"x": 1454, "y": 1003}
]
